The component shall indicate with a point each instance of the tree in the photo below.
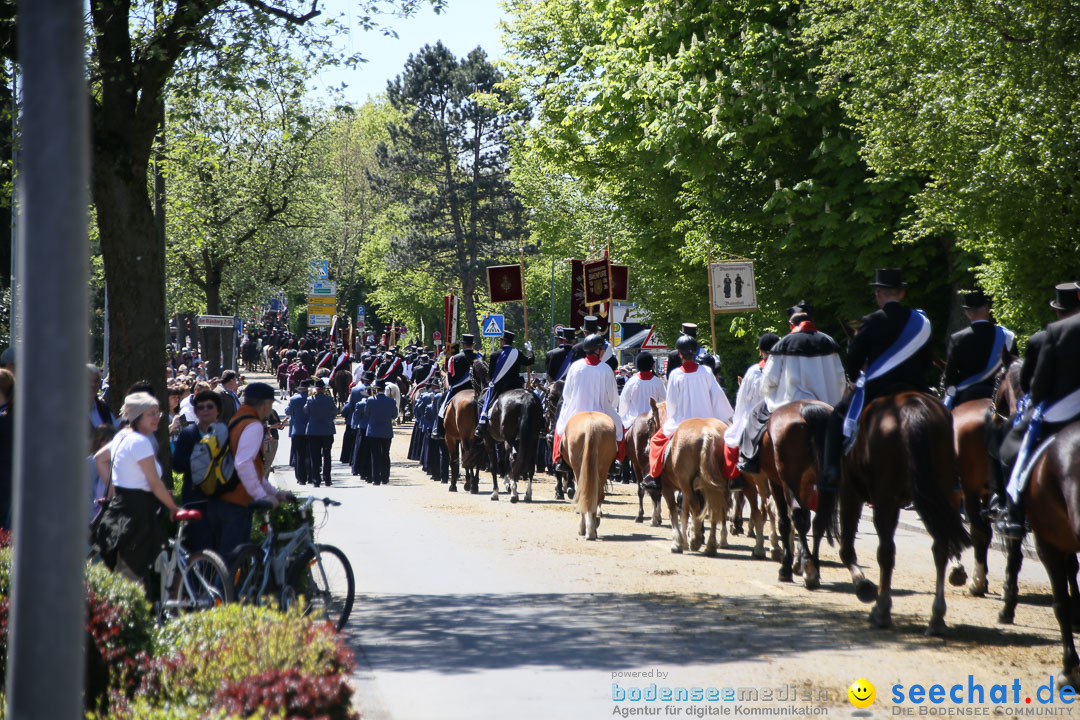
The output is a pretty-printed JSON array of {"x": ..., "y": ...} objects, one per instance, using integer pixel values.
[
  {"x": 134, "y": 48},
  {"x": 241, "y": 202},
  {"x": 448, "y": 159}
]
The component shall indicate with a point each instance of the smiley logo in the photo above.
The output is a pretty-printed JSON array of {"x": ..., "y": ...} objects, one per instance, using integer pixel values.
[{"x": 862, "y": 693}]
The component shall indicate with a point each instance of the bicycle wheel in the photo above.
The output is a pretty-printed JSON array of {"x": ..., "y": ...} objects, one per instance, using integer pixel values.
[
  {"x": 204, "y": 584},
  {"x": 324, "y": 579},
  {"x": 247, "y": 574}
]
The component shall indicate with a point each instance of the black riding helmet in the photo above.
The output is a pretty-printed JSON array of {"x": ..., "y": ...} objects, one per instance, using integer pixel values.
[
  {"x": 687, "y": 346},
  {"x": 593, "y": 343},
  {"x": 645, "y": 362}
]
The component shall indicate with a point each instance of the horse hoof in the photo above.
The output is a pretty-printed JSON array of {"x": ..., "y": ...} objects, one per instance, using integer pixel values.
[
  {"x": 676, "y": 550},
  {"x": 570, "y": 493},
  {"x": 776, "y": 555},
  {"x": 736, "y": 529},
  {"x": 639, "y": 519},
  {"x": 880, "y": 620},
  {"x": 453, "y": 488},
  {"x": 1006, "y": 616},
  {"x": 958, "y": 576},
  {"x": 710, "y": 551},
  {"x": 785, "y": 575},
  {"x": 494, "y": 498},
  {"x": 528, "y": 498},
  {"x": 655, "y": 523},
  {"x": 811, "y": 583},
  {"x": 977, "y": 588},
  {"x": 936, "y": 628},
  {"x": 797, "y": 569},
  {"x": 866, "y": 591},
  {"x": 513, "y": 499},
  {"x": 1069, "y": 677}
]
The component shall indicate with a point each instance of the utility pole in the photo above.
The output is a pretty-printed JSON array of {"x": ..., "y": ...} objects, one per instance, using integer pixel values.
[{"x": 48, "y": 612}]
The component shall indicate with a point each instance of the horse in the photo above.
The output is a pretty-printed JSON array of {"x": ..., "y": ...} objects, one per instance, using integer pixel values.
[
  {"x": 758, "y": 492},
  {"x": 404, "y": 388},
  {"x": 564, "y": 481},
  {"x": 460, "y": 424},
  {"x": 513, "y": 429},
  {"x": 904, "y": 451},
  {"x": 340, "y": 384},
  {"x": 1052, "y": 501},
  {"x": 694, "y": 467},
  {"x": 790, "y": 457},
  {"x": 589, "y": 447},
  {"x": 637, "y": 452}
]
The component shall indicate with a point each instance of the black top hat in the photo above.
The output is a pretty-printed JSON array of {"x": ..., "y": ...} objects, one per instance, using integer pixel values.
[
  {"x": 590, "y": 324},
  {"x": 689, "y": 329},
  {"x": 1068, "y": 297},
  {"x": 888, "y": 278},
  {"x": 467, "y": 339},
  {"x": 567, "y": 334},
  {"x": 508, "y": 336},
  {"x": 975, "y": 299}
]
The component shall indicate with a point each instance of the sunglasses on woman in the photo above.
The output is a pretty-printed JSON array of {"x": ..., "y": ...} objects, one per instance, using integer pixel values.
[{"x": 206, "y": 406}]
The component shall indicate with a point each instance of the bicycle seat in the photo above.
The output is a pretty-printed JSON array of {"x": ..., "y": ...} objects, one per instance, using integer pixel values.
[
  {"x": 188, "y": 515},
  {"x": 261, "y": 505}
]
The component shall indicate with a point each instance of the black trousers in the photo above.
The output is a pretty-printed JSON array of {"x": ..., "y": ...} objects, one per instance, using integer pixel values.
[
  {"x": 319, "y": 455},
  {"x": 300, "y": 444},
  {"x": 380, "y": 459}
]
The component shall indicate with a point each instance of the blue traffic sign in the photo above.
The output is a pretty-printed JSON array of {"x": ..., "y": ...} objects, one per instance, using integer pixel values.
[{"x": 493, "y": 326}]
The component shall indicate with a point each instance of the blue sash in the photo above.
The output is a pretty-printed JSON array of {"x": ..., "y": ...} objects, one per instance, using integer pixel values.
[
  {"x": 503, "y": 363},
  {"x": 1001, "y": 337},
  {"x": 565, "y": 365},
  {"x": 914, "y": 335},
  {"x": 1059, "y": 411}
]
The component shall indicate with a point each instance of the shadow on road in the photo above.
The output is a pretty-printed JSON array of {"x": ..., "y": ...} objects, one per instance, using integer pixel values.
[{"x": 468, "y": 633}]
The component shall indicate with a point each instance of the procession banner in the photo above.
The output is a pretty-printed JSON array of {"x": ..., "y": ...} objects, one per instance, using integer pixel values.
[
  {"x": 578, "y": 311},
  {"x": 620, "y": 282},
  {"x": 732, "y": 286},
  {"x": 450, "y": 309},
  {"x": 505, "y": 283},
  {"x": 597, "y": 281}
]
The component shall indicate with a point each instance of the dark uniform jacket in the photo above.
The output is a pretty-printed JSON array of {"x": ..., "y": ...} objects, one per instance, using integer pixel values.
[
  {"x": 968, "y": 355},
  {"x": 1031, "y": 359},
  {"x": 1058, "y": 370},
  {"x": 555, "y": 360},
  {"x": 511, "y": 380},
  {"x": 877, "y": 332},
  {"x": 460, "y": 366}
]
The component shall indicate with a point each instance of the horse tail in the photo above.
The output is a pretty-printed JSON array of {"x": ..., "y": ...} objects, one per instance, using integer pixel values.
[
  {"x": 711, "y": 469},
  {"x": 817, "y": 423},
  {"x": 592, "y": 476},
  {"x": 529, "y": 425},
  {"x": 921, "y": 431}
]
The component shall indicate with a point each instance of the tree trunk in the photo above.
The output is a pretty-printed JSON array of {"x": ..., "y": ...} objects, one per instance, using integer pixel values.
[
  {"x": 213, "y": 335},
  {"x": 468, "y": 288}
]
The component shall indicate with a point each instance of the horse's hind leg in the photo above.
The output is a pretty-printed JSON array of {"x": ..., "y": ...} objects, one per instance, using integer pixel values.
[
  {"x": 800, "y": 517},
  {"x": 758, "y": 508},
  {"x": 528, "y": 490},
  {"x": 980, "y": 542},
  {"x": 678, "y": 538},
  {"x": 850, "y": 509},
  {"x": 737, "y": 520},
  {"x": 937, "y": 610},
  {"x": 710, "y": 546},
  {"x": 886, "y": 518},
  {"x": 784, "y": 522},
  {"x": 1058, "y": 567},
  {"x": 640, "y": 504},
  {"x": 1014, "y": 557}
]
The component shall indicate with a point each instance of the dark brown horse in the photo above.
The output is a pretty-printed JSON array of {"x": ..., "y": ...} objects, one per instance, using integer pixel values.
[
  {"x": 340, "y": 384},
  {"x": 1052, "y": 501},
  {"x": 637, "y": 452},
  {"x": 564, "y": 481},
  {"x": 513, "y": 429},
  {"x": 460, "y": 424},
  {"x": 903, "y": 453}
]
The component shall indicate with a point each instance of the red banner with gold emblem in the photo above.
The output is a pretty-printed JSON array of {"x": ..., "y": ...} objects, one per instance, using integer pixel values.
[
  {"x": 504, "y": 283},
  {"x": 597, "y": 281}
]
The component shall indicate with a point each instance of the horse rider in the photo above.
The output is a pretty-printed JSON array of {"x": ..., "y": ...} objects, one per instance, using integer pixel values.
[
  {"x": 1052, "y": 404},
  {"x": 390, "y": 369},
  {"x": 590, "y": 325},
  {"x": 459, "y": 373},
  {"x": 559, "y": 359},
  {"x": 505, "y": 367},
  {"x": 691, "y": 393},
  {"x": 804, "y": 365},
  {"x": 674, "y": 359},
  {"x": 889, "y": 353},
  {"x": 747, "y": 401},
  {"x": 589, "y": 387},
  {"x": 975, "y": 353},
  {"x": 425, "y": 371},
  {"x": 639, "y": 389}
]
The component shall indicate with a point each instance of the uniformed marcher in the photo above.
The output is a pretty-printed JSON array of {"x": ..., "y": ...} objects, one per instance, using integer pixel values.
[
  {"x": 458, "y": 377},
  {"x": 559, "y": 359},
  {"x": 1053, "y": 402},
  {"x": 975, "y": 353},
  {"x": 505, "y": 367},
  {"x": 890, "y": 353}
]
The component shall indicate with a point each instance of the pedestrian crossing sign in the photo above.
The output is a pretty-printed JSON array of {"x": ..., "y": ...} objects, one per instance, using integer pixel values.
[{"x": 493, "y": 326}]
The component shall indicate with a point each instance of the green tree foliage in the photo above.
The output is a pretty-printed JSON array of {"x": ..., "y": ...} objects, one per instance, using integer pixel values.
[
  {"x": 447, "y": 161},
  {"x": 979, "y": 100}
]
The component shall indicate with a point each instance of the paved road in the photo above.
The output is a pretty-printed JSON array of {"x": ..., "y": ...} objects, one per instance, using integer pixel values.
[{"x": 468, "y": 608}]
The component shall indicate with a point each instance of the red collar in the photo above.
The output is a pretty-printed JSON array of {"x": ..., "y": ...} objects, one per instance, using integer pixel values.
[
  {"x": 762, "y": 363},
  {"x": 592, "y": 359},
  {"x": 689, "y": 366},
  {"x": 646, "y": 374},
  {"x": 804, "y": 326}
]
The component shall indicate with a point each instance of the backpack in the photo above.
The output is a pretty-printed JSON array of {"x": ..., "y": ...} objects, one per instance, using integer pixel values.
[{"x": 212, "y": 464}]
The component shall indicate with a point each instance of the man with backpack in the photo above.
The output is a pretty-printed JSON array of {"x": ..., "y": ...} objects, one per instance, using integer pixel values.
[
  {"x": 229, "y": 515},
  {"x": 189, "y": 443}
]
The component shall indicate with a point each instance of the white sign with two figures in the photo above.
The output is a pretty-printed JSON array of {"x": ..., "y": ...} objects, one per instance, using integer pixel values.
[{"x": 733, "y": 287}]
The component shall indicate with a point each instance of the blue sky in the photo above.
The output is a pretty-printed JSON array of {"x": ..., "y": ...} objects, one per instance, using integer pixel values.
[{"x": 462, "y": 26}]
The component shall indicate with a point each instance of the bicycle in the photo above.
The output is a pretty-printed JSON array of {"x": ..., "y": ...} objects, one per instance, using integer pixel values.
[
  {"x": 189, "y": 581},
  {"x": 288, "y": 566}
]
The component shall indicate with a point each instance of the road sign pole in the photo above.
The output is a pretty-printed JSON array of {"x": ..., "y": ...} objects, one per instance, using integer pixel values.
[{"x": 48, "y": 599}]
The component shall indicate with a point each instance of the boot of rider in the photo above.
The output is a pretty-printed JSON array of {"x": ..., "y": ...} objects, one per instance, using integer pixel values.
[
  {"x": 737, "y": 483},
  {"x": 1013, "y": 527},
  {"x": 829, "y": 479}
]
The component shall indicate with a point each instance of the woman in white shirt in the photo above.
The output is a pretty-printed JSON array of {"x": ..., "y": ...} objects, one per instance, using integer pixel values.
[{"x": 129, "y": 536}]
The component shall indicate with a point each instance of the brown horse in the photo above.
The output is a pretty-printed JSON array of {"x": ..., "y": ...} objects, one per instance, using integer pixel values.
[
  {"x": 340, "y": 384},
  {"x": 903, "y": 452},
  {"x": 462, "y": 416},
  {"x": 589, "y": 447},
  {"x": 694, "y": 467},
  {"x": 758, "y": 493},
  {"x": 637, "y": 452},
  {"x": 1052, "y": 501}
]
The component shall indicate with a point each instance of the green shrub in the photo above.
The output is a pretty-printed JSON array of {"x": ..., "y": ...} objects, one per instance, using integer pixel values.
[{"x": 197, "y": 655}]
